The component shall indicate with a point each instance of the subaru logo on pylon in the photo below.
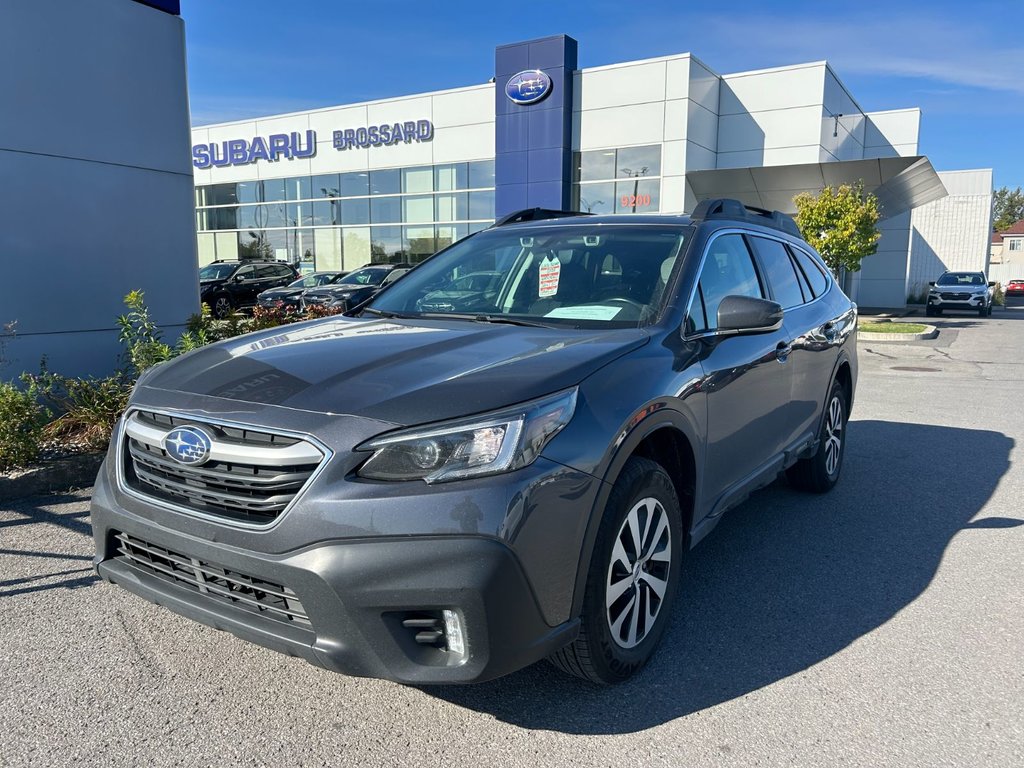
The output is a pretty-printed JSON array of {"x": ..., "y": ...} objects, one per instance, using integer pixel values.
[
  {"x": 188, "y": 445},
  {"x": 528, "y": 86}
]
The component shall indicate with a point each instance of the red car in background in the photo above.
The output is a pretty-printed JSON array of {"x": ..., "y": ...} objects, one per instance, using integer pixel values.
[{"x": 1015, "y": 288}]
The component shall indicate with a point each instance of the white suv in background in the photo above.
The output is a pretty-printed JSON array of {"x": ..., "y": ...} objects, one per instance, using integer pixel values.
[{"x": 960, "y": 290}]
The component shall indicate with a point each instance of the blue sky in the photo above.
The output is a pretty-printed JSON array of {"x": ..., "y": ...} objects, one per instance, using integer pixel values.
[{"x": 962, "y": 64}]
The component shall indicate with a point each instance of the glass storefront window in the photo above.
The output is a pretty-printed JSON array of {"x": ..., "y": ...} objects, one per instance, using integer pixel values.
[
  {"x": 631, "y": 162},
  {"x": 249, "y": 217},
  {"x": 325, "y": 186},
  {"x": 386, "y": 244},
  {"x": 273, "y": 190},
  {"x": 452, "y": 207},
  {"x": 248, "y": 192},
  {"x": 448, "y": 234},
  {"x": 354, "y": 184},
  {"x": 326, "y": 212},
  {"x": 298, "y": 188},
  {"x": 355, "y": 211},
  {"x": 386, "y": 182},
  {"x": 595, "y": 165},
  {"x": 639, "y": 196},
  {"x": 301, "y": 246},
  {"x": 300, "y": 214},
  {"x": 386, "y": 210},
  {"x": 596, "y": 198},
  {"x": 418, "y": 209},
  {"x": 420, "y": 242},
  {"x": 481, "y": 205},
  {"x": 481, "y": 174},
  {"x": 418, "y": 179},
  {"x": 274, "y": 215},
  {"x": 451, "y": 177}
]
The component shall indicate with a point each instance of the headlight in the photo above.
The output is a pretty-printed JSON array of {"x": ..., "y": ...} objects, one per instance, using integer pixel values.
[{"x": 484, "y": 445}]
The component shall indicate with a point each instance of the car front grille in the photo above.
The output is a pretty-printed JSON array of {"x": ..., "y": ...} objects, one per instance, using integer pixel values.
[
  {"x": 250, "y": 478},
  {"x": 263, "y": 597},
  {"x": 955, "y": 296}
]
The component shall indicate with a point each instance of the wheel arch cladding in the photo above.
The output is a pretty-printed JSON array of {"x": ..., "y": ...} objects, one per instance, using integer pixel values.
[{"x": 666, "y": 444}]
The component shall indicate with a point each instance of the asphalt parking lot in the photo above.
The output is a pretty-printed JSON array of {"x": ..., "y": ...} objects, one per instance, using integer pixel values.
[{"x": 880, "y": 625}]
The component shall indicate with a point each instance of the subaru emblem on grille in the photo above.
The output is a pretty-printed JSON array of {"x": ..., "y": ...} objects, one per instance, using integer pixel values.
[{"x": 188, "y": 445}]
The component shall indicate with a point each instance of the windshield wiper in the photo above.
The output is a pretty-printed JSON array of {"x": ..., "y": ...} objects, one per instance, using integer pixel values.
[
  {"x": 497, "y": 319},
  {"x": 382, "y": 313}
]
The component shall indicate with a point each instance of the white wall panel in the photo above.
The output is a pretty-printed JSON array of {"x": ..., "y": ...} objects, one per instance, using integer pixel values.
[
  {"x": 772, "y": 89},
  {"x": 673, "y": 194},
  {"x": 464, "y": 107},
  {"x": 780, "y": 128},
  {"x": 702, "y": 126},
  {"x": 704, "y": 86},
  {"x": 677, "y": 77},
  {"x": 699, "y": 158},
  {"x": 676, "y": 119},
  {"x": 399, "y": 110},
  {"x": 892, "y": 128},
  {"x": 331, "y": 160},
  {"x": 622, "y": 126},
  {"x": 673, "y": 158},
  {"x": 619, "y": 85},
  {"x": 468, "y": 142},
  {"x": 326, "y": 121}
]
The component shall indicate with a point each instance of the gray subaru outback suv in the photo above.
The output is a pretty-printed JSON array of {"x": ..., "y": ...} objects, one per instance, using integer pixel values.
[{"x": 438, "y": 491}]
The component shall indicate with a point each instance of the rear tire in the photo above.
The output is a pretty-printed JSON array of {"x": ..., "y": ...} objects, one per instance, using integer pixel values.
[
  {"x": 820, "y": 472},
  {"x": 632, "y": 578},
  {"x": 983, "y": 312},
  {"x": 929, "y": 311}
]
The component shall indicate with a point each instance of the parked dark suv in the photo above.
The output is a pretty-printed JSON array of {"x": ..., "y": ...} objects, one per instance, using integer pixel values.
[
  {"x": 225, "y": 286},
  {"x": 348, "y": 291},
  {"x": 429, "y": 495}
]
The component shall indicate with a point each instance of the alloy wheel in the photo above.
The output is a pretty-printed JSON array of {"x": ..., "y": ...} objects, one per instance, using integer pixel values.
[
  {"x": 638, "y": 574},
  {"x": 833, "y": 435}
]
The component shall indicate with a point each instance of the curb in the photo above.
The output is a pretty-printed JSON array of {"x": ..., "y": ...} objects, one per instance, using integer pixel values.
[
  {"x": 930, "y": 333},
  {"x": 53, "y": 476}
]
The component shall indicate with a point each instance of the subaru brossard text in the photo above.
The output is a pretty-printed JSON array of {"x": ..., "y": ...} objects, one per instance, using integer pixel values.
[{"x": 502, "y": 457}]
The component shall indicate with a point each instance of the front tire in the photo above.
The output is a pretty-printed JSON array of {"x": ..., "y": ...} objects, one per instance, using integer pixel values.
[
  {"x": 820, "y": 472},
  {"x": 632, "y": 579}
]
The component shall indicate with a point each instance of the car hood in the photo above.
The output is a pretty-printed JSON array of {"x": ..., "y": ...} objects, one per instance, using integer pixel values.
[
  {"x": 337, "y": 290},
  {"x": 278, "y": 293},
  {"x": 399, "y": 371}
]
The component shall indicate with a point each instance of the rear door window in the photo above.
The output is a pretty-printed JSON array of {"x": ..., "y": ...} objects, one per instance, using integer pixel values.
[{"x": 780, "y": 271}]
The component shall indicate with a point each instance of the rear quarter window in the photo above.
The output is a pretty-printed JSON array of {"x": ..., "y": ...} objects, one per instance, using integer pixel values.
[{"x": 815, "y": 277}]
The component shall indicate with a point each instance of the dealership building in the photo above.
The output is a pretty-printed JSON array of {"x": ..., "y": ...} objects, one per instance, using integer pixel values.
[{"x": 397, "y": 179}]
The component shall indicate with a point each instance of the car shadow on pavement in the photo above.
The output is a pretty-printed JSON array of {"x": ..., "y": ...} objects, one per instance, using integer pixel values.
[{"x": 784, "y": 582}]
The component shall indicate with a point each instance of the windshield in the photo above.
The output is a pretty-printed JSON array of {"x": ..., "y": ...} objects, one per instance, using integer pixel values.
[
  {"x": 309, "y": 281},
  {"x": 962, "y": 278},
  {"x": 593, "y": 276},
  {"x": 364, "y": 276},
  {"x": 217, "y": 271}
]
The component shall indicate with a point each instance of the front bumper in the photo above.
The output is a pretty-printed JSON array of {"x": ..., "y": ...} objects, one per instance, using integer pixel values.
[
  {"x": 972, "y": 302},
  {"x": 356, "y": 595}
]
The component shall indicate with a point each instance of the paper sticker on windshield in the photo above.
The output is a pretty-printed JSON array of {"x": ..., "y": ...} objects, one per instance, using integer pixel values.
[
  {"x": 585, "y": 313},
  {"x": 550, "y": 268}
]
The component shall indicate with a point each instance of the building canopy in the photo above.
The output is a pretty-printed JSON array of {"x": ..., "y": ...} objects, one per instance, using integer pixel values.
[{"x": 900, "y": 183}]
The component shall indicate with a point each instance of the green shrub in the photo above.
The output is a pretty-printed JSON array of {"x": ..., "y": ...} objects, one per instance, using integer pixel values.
[
  {"x": 140, "y": 335},
  {"x": 88, "y": 408},
  {"x": 999, "y": 296},
  {"x": 21, "y": 426}
]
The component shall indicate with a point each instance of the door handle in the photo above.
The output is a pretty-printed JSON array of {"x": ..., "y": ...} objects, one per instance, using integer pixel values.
[{"x": 782, "y": 351}]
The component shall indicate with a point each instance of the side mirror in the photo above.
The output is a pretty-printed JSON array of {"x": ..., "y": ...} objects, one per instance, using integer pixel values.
[
  {"x": 931, "y": 284},
  {"x": 991, "y": 285},
  {"x": 745, "y": 314}
]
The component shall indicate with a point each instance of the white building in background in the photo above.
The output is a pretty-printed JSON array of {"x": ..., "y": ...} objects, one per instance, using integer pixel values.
[
  {"x": 97, "y": 186},
  {"x": 397, "y": 179}
]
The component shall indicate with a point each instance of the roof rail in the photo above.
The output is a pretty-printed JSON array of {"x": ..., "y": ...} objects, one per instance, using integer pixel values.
[
  {"x": 534, "y": 214},
  {"x": 727, "y": 208}
]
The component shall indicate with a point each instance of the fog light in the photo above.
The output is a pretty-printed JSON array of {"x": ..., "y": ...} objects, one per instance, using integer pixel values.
[{"x": 453, "y": 632}]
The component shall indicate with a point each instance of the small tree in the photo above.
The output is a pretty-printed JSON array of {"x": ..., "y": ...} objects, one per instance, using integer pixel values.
[
  {"x": 1007, "y": 208},
  {"x": 840, "y": 223}
]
